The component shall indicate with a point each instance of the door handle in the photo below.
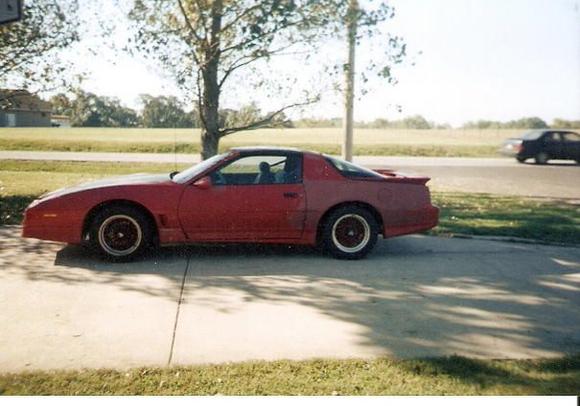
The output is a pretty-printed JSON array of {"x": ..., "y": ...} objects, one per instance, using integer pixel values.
[{"x": 290, "y": 195}]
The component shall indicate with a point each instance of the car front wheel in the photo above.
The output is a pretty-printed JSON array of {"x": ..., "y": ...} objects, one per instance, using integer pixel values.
[
  {"x": 120, "y": 233},
  {"x": 349, "y": 233}
]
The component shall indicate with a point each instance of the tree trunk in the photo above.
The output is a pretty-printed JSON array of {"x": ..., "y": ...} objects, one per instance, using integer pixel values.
[
  {"x": 210, "y": 135},
  {"x": 209, "y": 143}
]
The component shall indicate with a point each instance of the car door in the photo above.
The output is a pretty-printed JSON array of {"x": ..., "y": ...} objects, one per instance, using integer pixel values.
[
  {"x": 572, "y": 146},
  {"x": 553, "y": 145},
  {"x": 245, "y": 203}
]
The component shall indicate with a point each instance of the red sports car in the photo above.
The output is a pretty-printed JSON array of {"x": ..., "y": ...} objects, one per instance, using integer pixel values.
[{"x": 262, "y": 194}]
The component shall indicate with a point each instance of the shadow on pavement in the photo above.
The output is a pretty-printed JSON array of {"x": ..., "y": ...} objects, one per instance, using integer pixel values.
[
  {"x": 552, "y": 163},
  {"x": 412, "y": 297}
]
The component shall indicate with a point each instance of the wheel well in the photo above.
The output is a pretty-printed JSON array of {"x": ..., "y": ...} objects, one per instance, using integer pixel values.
[
  {"x": 119, "y": 202},
  {"x": 370, "y": 208}
]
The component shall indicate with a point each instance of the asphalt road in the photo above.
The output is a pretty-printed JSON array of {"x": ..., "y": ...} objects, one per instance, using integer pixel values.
[
  {"x": 559, "y": 180},
  {"x": 414, "y": 296}
]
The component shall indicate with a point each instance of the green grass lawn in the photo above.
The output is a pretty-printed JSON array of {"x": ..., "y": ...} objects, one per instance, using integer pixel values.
[
  {"x": 508, "y": 216},
  {"x": 461, "y": 213},
  {"x": 436, "y": 376},
  {"x": 451, "y": 143}
]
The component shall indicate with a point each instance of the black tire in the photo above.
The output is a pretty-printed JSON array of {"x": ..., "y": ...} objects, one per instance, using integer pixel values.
[
  {"x": 120, "y": 233},
  {"x": 349, "y": 232},
  {"x": 541, "y": 158},
  {"x": 521, "y": 160}
]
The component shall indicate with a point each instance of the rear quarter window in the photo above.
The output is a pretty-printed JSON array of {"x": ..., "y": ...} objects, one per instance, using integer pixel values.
[{"x": 351, "y": 170}]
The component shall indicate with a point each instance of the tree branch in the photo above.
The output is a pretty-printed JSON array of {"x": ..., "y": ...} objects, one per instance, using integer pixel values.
[
  {"x": 265, "y": 34},
  {"x": 187, "y": 22},
  {"x": 242, "y": 15},
  {"x": 265, "y": 121},
  {"x": 250, "y": 59}
]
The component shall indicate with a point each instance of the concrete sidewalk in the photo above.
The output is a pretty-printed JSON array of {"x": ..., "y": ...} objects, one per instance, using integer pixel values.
[{"x": 414, "y": 296}]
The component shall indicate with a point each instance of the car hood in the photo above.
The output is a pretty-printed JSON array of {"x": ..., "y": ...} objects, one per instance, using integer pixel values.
[{"x": 137, "y": 179}]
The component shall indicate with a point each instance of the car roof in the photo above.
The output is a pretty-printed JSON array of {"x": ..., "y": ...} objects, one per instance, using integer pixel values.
[
  {"x": 264, "y": 149},
  {"x": 535, "y": 134},
  {"x": 562, "y": 131}
]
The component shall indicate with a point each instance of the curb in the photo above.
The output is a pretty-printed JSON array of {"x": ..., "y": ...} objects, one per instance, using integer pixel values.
[{"x": 510, "y": 239}]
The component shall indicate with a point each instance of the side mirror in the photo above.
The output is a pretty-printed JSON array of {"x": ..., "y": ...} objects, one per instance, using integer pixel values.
[{"x": 203, "y": 183}]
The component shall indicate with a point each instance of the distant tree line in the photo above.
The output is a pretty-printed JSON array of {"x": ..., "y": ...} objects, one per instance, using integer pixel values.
[
  {"x": 561, "y": 123},
  {"x": 418, "y": 122},
  {"x": 85, "y": 109},
  {"x": 525, "y": 122}
]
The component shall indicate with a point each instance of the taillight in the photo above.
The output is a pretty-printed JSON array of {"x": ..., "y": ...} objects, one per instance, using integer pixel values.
[{"x": 519, "y": 147}]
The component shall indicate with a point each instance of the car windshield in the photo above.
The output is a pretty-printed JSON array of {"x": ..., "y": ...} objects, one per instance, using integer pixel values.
[
  {"x": 532, "y": 135},
  {"x": 195, "y": 170},
  {"x": 351, "y": 170}
]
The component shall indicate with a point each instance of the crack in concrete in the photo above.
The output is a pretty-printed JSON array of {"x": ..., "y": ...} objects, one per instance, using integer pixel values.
[{"x": 177, "y": 313}]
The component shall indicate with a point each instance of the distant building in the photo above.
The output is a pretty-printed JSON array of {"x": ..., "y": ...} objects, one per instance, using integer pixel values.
[{"x": 19, "y": 108}]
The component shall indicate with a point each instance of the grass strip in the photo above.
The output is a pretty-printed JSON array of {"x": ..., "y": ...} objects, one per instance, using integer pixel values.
[
  {"x": 508, "y": 216},
  {"x": 434, "y": 376},
  {"x": 181, "y": 147}
]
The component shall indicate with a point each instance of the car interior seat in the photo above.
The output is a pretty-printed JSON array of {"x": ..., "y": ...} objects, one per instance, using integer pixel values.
[{"x": 265, "y": 175}]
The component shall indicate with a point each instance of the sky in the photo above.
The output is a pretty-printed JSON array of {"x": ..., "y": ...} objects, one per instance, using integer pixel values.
[{"x": 468, "y": 60}]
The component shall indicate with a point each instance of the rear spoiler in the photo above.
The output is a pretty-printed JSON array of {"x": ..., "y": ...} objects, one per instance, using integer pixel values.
[{"x": 399, "y": 177}]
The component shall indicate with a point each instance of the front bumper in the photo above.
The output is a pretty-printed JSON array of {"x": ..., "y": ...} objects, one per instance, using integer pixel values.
[{"x": 51, "y": 226}]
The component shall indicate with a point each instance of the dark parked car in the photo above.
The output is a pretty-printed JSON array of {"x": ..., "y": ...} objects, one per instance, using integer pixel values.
[{"x": 543, "y": 145}]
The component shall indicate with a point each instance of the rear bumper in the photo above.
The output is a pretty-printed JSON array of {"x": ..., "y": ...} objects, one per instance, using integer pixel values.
[{"x": 419, "y": 221}]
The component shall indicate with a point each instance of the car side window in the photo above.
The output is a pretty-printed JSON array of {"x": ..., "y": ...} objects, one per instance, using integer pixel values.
[
  {"x": 572, "y": 137},
  {"x": 553, "y": 137},
  {"x": 260, "y": 170}
]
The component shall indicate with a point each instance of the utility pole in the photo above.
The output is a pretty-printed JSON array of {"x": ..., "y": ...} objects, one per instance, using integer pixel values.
[{"x": 347, "y": 124}]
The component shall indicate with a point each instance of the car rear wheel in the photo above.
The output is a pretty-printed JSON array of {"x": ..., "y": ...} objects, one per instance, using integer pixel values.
[
  {"x": 521, "y": 160},
  {"x": 541, "y": 158},
  {"x": 349, "y": 233},
  {"x": 120, "y": 233}
]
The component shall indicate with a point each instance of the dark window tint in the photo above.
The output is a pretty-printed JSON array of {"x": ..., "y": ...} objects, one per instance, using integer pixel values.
[{"x": 351, "y": 170}]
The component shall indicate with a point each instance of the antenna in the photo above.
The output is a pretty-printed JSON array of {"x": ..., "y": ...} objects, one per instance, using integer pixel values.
[{"x": 174, "y": 147}]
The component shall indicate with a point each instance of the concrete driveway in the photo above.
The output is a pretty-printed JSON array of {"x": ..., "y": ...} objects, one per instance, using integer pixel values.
[{"x": 414, "y": 296}]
